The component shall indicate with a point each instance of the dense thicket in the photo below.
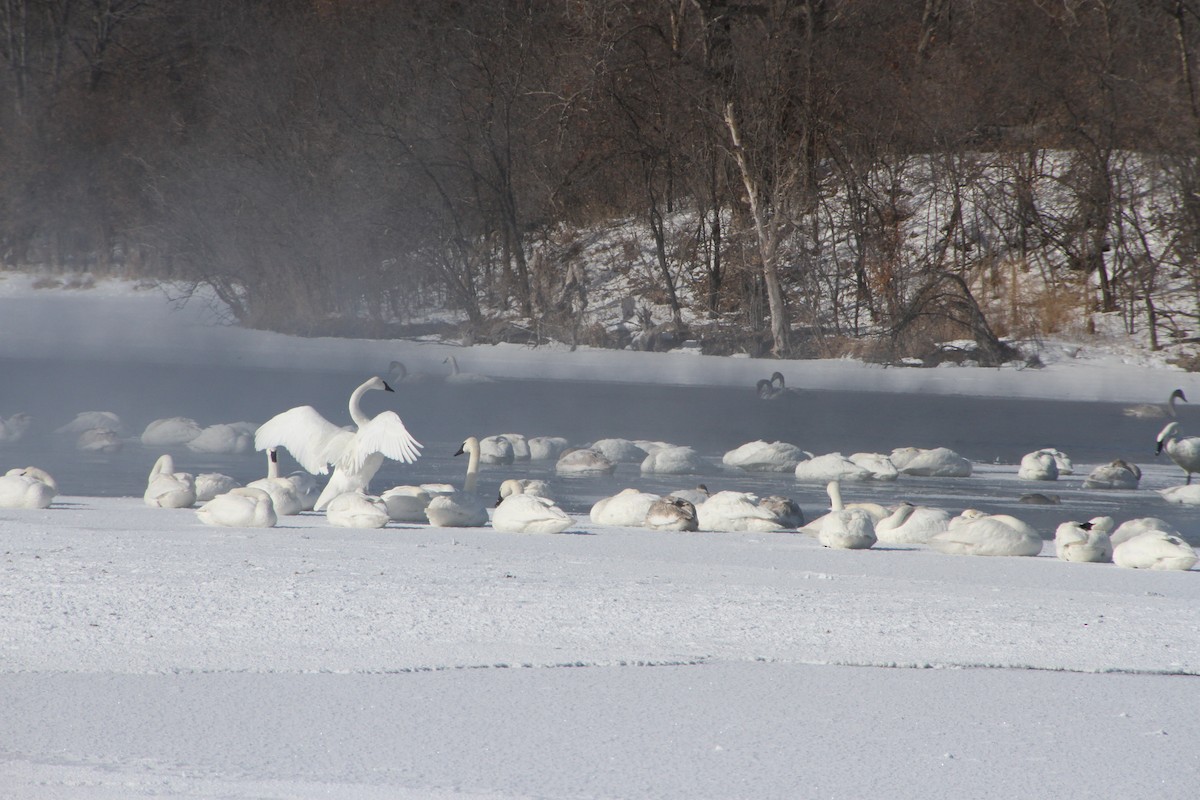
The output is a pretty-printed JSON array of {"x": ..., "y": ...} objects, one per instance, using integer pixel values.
[{"x": 840, "y": 167}]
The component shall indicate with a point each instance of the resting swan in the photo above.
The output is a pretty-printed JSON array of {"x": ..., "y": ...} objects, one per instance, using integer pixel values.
[
  {"x": 1184, "y": 451},
  {"x": 1155, "y": 550},
  {"x": 529, "y": 513},
  {"x": 240, "y": 507},
  {"x": 284, "y": 496},
  {"x": 13, "y": 428},
  {"x": 910, "y": 524},
  {"x": 167, "y": 488},
  {"x": 30, "y": 487},
  {"x": 456, "y": 376},
  {"x": 1085, "y": 541},
  {"x": 672, "y": 513},
  {"x": 460, "y": 509},
  {"x": 356, "y": 509},
  {"x": 974, "y": 533},
  {"x": 316, "y": 443},
  {"x": 846, "y": 528}
]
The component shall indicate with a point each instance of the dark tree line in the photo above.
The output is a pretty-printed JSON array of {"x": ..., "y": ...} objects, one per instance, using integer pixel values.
[{"x": 806, "y": 172}]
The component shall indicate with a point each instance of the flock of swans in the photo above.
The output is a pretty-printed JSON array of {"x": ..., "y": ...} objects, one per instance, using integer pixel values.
[{"x": 355, "y": 453}]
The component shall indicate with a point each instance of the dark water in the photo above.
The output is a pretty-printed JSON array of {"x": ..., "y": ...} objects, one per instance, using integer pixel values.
[{"x": 988, "y": 431}]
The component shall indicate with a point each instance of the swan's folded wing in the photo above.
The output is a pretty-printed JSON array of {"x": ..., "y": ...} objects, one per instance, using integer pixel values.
[
  {"x": 386, "y": 435},
  {"x": 313, "y": 441}
]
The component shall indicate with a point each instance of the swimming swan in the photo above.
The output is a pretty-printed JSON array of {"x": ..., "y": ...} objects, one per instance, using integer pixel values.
[
  {"x": 1153, "y": 410},
  {"x": 1184, "y": 451},
  {"x": 456, "y": 376},
  {"x": 316, "y": 443},
  {"x": 460, "y": 509},
  {"x": 240, "y": 507},
  {"x": 167, "y": 488},
  {"x": 762, "y": 456},
  {"x": 846, "y": 528}
]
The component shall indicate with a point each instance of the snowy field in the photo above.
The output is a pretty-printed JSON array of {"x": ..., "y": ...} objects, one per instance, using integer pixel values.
[{"x": 143, "y": 654}]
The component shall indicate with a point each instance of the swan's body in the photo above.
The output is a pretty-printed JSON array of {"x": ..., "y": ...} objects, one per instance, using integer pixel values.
[
  {"x": 584, "y": 462},
  {"x": 456, "y": 376},
  {"x": 1119, "y": 474},
  {"x": 406, "y": 503},
  {"x": 626, "y": 509},
  {"x": 547, "y": 448},
  {"x": 787, "y": 513},
  {"x": 356, "y": 509},
  {"x": 520, "y": 446},
  {"x": 938, "y": 462},
  {"x": 978, "y": 534},
  {"x": 211, "y": 484},
  {"x": 460, "y": 509},
  {"x": 673, "y": 461},
  {"x": 1084, "y": 541},
  {"x": 694, "y": 496},
  {"x": 761, "y": 456},
  {"x": 222, "y": 439},
  {"x": 284, "y": 497},
  {"x": 316, "y": 443},
  {"x": 13, "y": 428},
  {"x": 170, "y": 431},
  {"x": 879, "y": 465},
  {"x": 306, "y": 488},
  {"x": 736, "y": 511},
  {"x": 240, "y": 507},
  {"x": 1136, "y": 527},
  {"x": 1155, "y": 411},
  {"x": 1155, "y": 550},
  {"x": 910, "y": 524},
  {"x": 530, "y": 486},
  {"x": 167, "y": 488},
  {"x": 620, "y": 451},
  {"x": 30, "y": 487},
  {"x": 86, "y": 420},
  {"x": 672, "y": 513},
  {"x": 1184, "y": 451},
  {"x": 398, "y": 373},
  {"x": 774, "y": 389},
  {"x": 527, "y": 513},
  {"x": 496, "y": 450},
  {"x": 1039, "y": 465},
  {"x": 831, "y": 467},
  {"x": 846, "y": 528},
  {"x": 99, "y": 440},
  {"x": 1186, "y": 495}
]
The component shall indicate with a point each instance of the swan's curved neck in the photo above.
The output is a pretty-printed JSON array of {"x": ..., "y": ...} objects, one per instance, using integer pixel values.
[
  {"x": 453, "y": 365},
  {"x": 835, "y": 496},
  {"x": 472, "y": 448},
  {"x": 272, "y": 463},
  {"x": 164, "y": 466},
  {"x": 356, "y": 412}
]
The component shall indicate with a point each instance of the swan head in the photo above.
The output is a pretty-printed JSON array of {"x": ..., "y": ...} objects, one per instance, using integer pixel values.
[
  {"x": 777, "y": 379},
  {"x": 378, "y": 383},
  {"x": 764, "y": 388},
  {"x": 469, "y": 445},
  {"x": 1176, "y": 395},
  {"x": 1165, "y": 434}
]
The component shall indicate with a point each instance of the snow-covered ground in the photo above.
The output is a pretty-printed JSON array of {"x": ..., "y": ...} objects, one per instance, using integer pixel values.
[{"x": 145, "y": 655}]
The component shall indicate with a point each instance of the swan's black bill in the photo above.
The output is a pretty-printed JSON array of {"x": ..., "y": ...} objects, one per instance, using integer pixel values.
[
  {"x": 460, "y": 451},
  {"x": 387, "y": 388}
]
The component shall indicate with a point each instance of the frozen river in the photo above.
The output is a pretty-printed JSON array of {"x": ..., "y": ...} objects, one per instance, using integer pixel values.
[{"x": 992, "y": 432}]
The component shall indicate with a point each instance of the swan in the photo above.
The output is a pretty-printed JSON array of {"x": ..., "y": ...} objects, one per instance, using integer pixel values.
[
  {"x": 1155, "y": 550},
  {"x": 831, "y": 466},
  {"x": 1084, "y": 541},
  {"x": 1039, "y": 465},
  {"x": 530, "y": 486},
  {"x": 86, "y": 420},
  {"x": 520, "y": 446},
  {"x": 620, "y": 451},
  {"x": 1153, "y": 410},
  {"x": 1184, "y": 451},
  {"x": 1040, "y": 499},
  {"x": 222, "y": 439},
  {"x": 240, "y": 507},
  {"x": 356, "y": 509},
  {"x": 673, "y": 461},
  {"x": 30, "y": 487},
  {"x": 400, "y": 374},
  {"x": 736, "y": 511},
  {"x": 284, "y": 497},
  {"x": 650, "y": 446},
  {"x": 761, "y": 456},
  {"x": 529, "y": 513},
  {"x": 456, "y": 376},
  {"x": 13, "y": 428},
  {"x": 846, "y": 528},
  {"x": 460, "y": 509},
  {"x": 974, "y": 533},
  {"x": 694, "y": 496},
  {"x": 879, "y": 465},
  {"x": 774, "y": 389},
  {"x": 1182, "y": 495},
  {"x": 316, "y": 442},
  {"x": 406, "y": 503},
  {"x": 167, "y": 488},
  {"x": 496, "y": 450},
  {"x": 672, "y": 513},
  {"x": 910, "y": 524},
  {"x": 547, "y": 448},
  {"x": 1136, "y": 527},
  {"x": 170, "y": 431},
  {"x": 99, "y": 440},
  {"x": 584, "y": 462},
  {"x": 627, "y": 508},
  {"x": 1119, "y": 474},
  {"x": 787, "y": 512},
  {"x": 211, "y": 484},
  {"x": 939, "y": 462},
  {"x": 306, "y": 488}
]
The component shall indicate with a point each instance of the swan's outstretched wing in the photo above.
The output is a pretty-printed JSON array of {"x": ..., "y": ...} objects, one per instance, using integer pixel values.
[
  {"x": 386, "y": 435},
  {"x": 313, "y": 441}
]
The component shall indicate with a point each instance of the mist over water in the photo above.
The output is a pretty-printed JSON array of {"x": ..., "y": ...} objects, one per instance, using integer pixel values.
[{"x": 713, "y": 420}]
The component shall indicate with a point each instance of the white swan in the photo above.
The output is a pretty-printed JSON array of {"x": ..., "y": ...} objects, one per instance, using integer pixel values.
[
  {"x": 846, "y": 528},
  {"x": 1154, "y": 410},
  {"x": 879, "y": 465},
  {"x": 211, "y": 484},
  {"x": 1085, "y": 541},
  {"x": 1040, "y": 465},
  {"x": 547, "y": 448},
  {"x": 167, "y": 488},
  {"x": 532, "y": 486},
  {"x": 13, "y": 428},
  {"x": 456, "y": 376},
  {"x": 520, "y": 446},
  {"x": 1119, "y": 474},
  {"x": 99, "y": 440},
  {"x": 673, "y": 461},
  {"x": 460, "y": 509},
  {"x": 938, "y": 462},
  {"x": 584, "y": 462},
  {"x": 284, "y": 496},
  {"x": 222, "y": 439},
  {"x": 240, "y": 507},
  {"x": 399, "y": 373},
  {"x": 496, "y": 450},
  {"x": 736, "y": 511},
  {"x": 627, "y": 508},
  {"x": 831, "y": 466},
  {"x": 1186, "y": 495},
  {"x": 694, "y": 496},
  {"x": 306, "y": 488},
  {"x": 528, "y": 513},
  {"x": 979, "y": 534},
  {"x": 356, "y": 509},
  {"x": 672, "y": 513},
  {"x": 1184, "y": 451},
  {"x": 761, "y": 456},
  {"x": 86, "y": 420},
  {"x": 406, "y": 503},
  {"x": 1136, "y": 527},
  {"x": 910, "y": 524},
  {"x": 316, "y": 443},
  {"x": 1155, "y": 550},
  {"x": 620, "y": 451},
  {"x": 30, "y": 487},
  {"x": 170, "y": 431}
]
